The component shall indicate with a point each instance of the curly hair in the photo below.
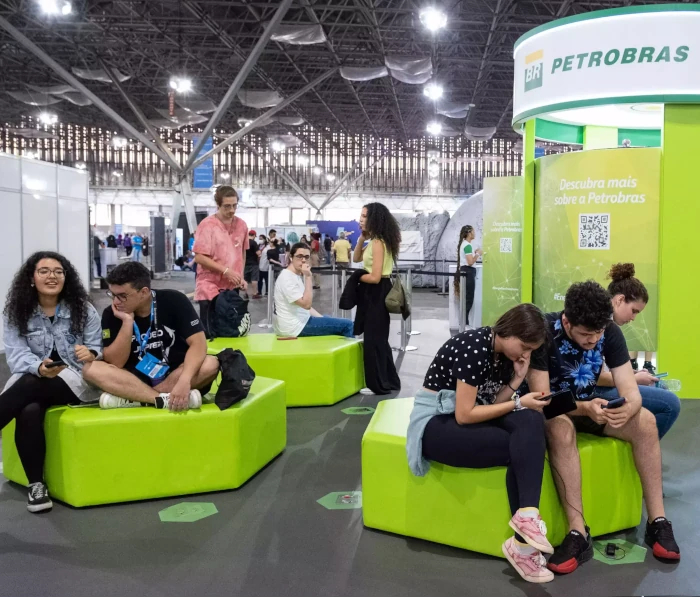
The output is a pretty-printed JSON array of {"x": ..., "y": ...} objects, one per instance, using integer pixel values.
[
  {"x": 624, "y": 282},
  {"x": 588, "y": 304},
  {"x": 22, "y": 299},
  {"x": 381, "y": 225},
  {"x": 463, "y": 233}
]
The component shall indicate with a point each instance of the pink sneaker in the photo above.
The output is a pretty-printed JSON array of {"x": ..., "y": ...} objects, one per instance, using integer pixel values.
[
  {"x": 531, "y": 567},
  {"x": 533, "y": 530}
]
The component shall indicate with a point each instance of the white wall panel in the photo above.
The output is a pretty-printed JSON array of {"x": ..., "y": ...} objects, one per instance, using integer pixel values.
[
  {"x": 74, "y": 235},
  {"x": 10, "y": 170},
  {"x": 39, "y": 223},
  {"x": 11, "y": 234},
  {"x": 38, "y": 177},
  {"x": 72, "y": 183}
]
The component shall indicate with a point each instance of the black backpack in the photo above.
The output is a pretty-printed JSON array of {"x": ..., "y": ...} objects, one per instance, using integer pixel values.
[
  {"x": 229, "y": 316},
  {"x": 236, "y": 378}
]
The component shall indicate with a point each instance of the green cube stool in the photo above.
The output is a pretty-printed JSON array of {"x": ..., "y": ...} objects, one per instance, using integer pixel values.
[
  {"x": 468, "y": 508},
  {"x": 97, "y": 456},
  {"x": 318, "y": 371}
]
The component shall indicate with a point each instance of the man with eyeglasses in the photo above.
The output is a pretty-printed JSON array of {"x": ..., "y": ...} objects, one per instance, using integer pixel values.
[
  {"x": 155, "y": 351},
  {"x": 220, "y": 248},
  {"x": 581, "y": 339},
  {"x": 294, "y": 315}
]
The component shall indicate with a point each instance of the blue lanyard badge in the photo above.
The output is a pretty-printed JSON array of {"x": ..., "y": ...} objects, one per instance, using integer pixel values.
[{"x": 148, "y": 364}]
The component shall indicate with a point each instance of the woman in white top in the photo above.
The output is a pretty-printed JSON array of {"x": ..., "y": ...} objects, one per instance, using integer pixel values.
[{"x": 467, "y": 253}]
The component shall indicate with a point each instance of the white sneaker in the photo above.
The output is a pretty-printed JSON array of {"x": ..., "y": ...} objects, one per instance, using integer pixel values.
[
  {"x": 366, "y": 392},
  {"x": 195, "y": 400},
  {"x": 112, "y": 401}
]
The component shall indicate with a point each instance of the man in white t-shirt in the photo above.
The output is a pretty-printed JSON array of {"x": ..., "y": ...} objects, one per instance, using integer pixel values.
[{"x": 294, "y": 315}]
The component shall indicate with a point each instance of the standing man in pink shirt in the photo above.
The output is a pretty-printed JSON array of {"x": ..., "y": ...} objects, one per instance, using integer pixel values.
[{"x": 220, "y": 249}]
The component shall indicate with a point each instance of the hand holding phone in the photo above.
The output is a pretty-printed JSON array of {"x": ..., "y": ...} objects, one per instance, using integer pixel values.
[
  {"x": 50, "y": 368},
  {"x": 615, "y": 403},
  {"x": 561, "y": 403}
]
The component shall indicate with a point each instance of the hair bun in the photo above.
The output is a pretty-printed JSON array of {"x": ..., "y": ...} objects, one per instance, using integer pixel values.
[{"x": 621, "y": 271}]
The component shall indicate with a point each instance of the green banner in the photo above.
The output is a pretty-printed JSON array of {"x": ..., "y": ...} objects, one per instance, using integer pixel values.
[
  {"x": 594, "y": 209},
  {"x": 502, "y": 245}
]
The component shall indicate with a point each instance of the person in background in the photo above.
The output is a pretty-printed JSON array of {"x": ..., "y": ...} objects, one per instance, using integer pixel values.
[
  {"x": 294, "y": 313},
  {"x": 381, "y": 231},
  {"x": 48, "y": 319},
  {"x": 220, "y": 251},
  {"x": 316, "y": 258},
  {"x": 137, "y": 242},
  {"x": 120, "y": 240},
  {"x": 111, "y": 241},
  {"x": 264, "y": 265},
  {"x": 275, "y": 248},
  {"x": 96, "y": 245},
  {"x": 146, "y": 245},
  {"x": 629, "y": 298},
  {"x": 328, "y": 247},
  {"x": 190, "y": 244},
  {"x": 305, "y": 241},
  {"x": 127, "y": 244},
  {"x": 284, "y": 250},
  {"x": 581, "y": 339},
  {"x": 468, "y": 415},
  {"x": 342, "y": 248},
  {"x": 466, "y": 253},
  {"x": 251, "y": 272},
  {"x": 155, "y": 352}
]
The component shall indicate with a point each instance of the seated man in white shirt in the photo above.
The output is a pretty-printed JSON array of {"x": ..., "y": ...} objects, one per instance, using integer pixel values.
[{"x": 294, "y": 315}]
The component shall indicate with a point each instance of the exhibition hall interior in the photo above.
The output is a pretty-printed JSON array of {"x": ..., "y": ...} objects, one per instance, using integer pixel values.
[{"x": 349, "y": 298}]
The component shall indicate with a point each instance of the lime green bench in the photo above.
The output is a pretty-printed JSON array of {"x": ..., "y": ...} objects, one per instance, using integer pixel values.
[
  {"x": 468, "y": 508},
  {"x": 318, "y": 371},
  {"x": 99, "y": 456}
]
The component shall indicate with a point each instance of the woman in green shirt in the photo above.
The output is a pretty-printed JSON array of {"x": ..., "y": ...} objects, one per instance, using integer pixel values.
[
  {"x": 382, "y": 232},
  {"x": 466, "y": 257}
]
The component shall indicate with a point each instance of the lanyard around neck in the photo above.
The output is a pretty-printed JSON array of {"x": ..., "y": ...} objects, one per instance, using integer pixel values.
[{"x": 143, "y": 342}]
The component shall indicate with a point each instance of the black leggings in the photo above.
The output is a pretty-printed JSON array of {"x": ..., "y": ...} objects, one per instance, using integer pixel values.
[
  {"x": 516, "y": 441},
  {"x": 262, "y": 282},
  {"x": 468, "y": 291},
  {"x": 27, "y": 400}
]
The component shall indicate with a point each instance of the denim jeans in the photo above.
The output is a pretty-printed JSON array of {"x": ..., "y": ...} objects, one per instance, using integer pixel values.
[
  {"x": 664, "y": 405},
  {"x": 316, "y": 326}
]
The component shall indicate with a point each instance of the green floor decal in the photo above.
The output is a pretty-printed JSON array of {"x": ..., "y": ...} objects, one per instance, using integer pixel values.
[
  {"x": 358, "y": 410},
  {"x": 627, "y": 553},
  {"x": 341, "y": 500},
  {"x": 187, "y": 512}
]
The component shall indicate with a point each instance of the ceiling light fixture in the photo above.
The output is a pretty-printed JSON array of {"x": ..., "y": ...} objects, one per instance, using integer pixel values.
[
  {"x": 117, "y": 173},
  {"x": 225, "y": 175},
  {"x": 317, "y": 170},
  {"x": 119, "y": 142},
  {"x": 277, "y": 146},
  {"x": 433, "y": 19},
  {"x": 47, "y": 118},
  {"x": 330, "y": 177},
  {"x": 434, "y": 128},
  {"x": 54, "y": 7},
  {"x": 302, "y": 160},
  {"x": 434, "y": 184},
  {"x": 31, "y": 154},
  {"x": 433, "y": 91},
  {"x": 81, "y": 165},
  {"x": 181, "y": 85}
]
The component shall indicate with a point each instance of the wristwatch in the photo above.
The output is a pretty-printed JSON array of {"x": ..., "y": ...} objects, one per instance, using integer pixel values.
[{"x": 518, "y": 404}]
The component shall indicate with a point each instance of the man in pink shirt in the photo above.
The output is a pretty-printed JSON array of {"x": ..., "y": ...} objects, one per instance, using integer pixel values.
[{"x": 220, "y": 247}]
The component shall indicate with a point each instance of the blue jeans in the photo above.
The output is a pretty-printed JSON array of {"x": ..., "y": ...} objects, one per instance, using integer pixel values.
[
  {"x": 316, "y": 326},
  {"x": 664, "y": 405},
  {"x": 137, "y": 254}
]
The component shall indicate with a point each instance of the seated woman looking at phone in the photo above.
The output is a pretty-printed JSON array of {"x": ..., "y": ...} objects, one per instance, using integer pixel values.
[
  {"x": 51, "y": 331},
  {"x": 468, "y": 415}
]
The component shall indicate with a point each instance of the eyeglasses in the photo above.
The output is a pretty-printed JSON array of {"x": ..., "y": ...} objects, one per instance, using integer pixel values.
[
  {"x": 302, "y": 256},
  {"x": 45, "y": 272},
  {"x": 121, "y": 297}
]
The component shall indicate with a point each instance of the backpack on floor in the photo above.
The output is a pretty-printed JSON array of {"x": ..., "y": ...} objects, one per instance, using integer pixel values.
[
  {"x": 236, "y": 378},
  {"x": 230, "y": 316}
]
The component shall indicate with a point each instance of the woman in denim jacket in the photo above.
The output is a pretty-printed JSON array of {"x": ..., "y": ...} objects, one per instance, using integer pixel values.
[{"x": 47, "y": 318}]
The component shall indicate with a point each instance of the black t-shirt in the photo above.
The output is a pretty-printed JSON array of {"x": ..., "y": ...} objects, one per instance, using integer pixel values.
[
  {"x": 572, "y": 367},
  {"x": 327, "y": 244},
  {"x": 175, "y": 321},
  {"x": 273, "y": 252},
  {"x": 469, "y": 356},
  {"x": 251, "y": 254}
]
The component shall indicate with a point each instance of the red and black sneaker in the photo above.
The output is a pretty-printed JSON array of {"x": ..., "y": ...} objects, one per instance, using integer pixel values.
[
  {"x": 659, "y": 535},
  {"x": 575, "y": 550}
]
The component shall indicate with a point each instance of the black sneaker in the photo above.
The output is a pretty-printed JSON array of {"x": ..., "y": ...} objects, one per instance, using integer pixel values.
[
  {"x": 38, "y": 498},
  {"x": 649, "y": 367},
  {"x": 575, "y": 550},
  {"x": 635, "y": 364},
  {"x": 659, "y": 535}
]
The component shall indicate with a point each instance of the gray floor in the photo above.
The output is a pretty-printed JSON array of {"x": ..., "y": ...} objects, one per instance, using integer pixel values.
[{"x": 271, "y": 537}]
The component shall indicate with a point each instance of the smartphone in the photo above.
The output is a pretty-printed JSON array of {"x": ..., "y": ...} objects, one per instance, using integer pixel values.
[
  {"x": 661, "y": 375},
  {"x": 561, "y": 403},
  {"x": 54, "y": 364},
  {"x": 615, "y": 403}
]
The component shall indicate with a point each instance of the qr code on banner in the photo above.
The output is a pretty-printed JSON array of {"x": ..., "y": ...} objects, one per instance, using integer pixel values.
[
  {"x": 594, "y": 231},
  {"x": 506, "y": 244}
]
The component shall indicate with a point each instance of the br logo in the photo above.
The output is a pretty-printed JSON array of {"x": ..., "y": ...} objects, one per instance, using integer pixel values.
[{"x": 534, "y": 70}]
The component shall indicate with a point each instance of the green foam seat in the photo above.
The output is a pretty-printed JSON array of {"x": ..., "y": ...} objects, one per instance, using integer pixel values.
[
  {"x": 318, "y": 371},
  {"x": 468, "y": 508},
  {"x": 96, "y": 456}
]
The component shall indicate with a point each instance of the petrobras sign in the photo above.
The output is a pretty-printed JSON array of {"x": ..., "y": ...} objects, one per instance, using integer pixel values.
[{"x": 638, "y": 54}]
